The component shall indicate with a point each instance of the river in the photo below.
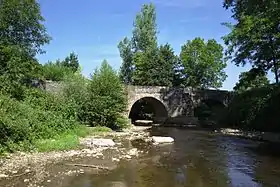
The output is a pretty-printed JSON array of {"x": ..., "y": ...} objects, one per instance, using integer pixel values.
[{"x": 196, "y": 159}]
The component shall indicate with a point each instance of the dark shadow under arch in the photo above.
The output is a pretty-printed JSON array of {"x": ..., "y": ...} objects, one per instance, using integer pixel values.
[
  {"x": 148, "y": 108},
  {"x": 209, "y": 110}
]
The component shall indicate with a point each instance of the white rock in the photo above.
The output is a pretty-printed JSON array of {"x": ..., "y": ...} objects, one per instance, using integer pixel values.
[
  {"x": 133, "y": 152},
  {"x": 3, "y": 176},
  {"x": 128, "y": 156},
  {"x": 26, "y": 180},
  {"x": 159, "y": 139},
  {"x": 98, "y": 142},
  {"x": 115, "y": 159},
  {"x": 14, "y": 172}
]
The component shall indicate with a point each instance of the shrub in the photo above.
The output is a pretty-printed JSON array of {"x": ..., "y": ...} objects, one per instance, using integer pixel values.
[
  {"x": 107, "y": 99},
  {"x": 39, "y": 116},
  {"x": 55, "y": 71},
  {"x": 256, "y": 109},
  {"x": 75, "y": 91}
]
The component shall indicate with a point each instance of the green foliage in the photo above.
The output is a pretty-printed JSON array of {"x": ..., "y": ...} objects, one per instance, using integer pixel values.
[
  {"x": 37, "y": 117},
  {"x": 21, "y": 25},
  {"x": 166, "y": 65},
  {"x": 107, "y": 99},
  {"x": 126, "y": 70},
  {"x": 142, "y": 58},
  {"x": 64, "y": 141},
  {"x": 254, "y": 78},
  {"x": 75, "y": 90},
  {"x": 256, "y": 109},
  {"x": 71, "y": 62},
  {"x": 255, "y": 37},
  {"x": 144, "y": 34},
  {"x": 55, "y": 71},
  {"x": 203, "y": 63},
  {"x": 16, "y": 69}
]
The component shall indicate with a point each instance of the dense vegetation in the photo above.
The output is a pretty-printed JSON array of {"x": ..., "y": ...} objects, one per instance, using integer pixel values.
[
  {"x": 28, "y": 115},
  {"x": 255, "y": 109},
  {"x": 254, "y": 39}
]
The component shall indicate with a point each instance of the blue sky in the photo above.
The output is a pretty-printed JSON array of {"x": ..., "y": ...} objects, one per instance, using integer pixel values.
[{"x": 93, "y": 28}]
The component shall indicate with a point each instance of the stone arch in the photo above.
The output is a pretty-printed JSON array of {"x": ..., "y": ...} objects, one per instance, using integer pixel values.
[
  {"x": 150, "y": 106},
  {"x": 209, "y": 108}
]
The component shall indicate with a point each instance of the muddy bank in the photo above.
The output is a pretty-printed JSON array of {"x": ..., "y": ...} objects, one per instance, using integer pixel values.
[{"x": 97, "y": 154}]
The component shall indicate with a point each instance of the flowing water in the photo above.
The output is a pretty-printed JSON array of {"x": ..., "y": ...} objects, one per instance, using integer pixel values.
[{"x": 196, "y": 159}]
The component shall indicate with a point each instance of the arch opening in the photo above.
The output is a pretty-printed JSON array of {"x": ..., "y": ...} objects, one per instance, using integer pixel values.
[
  {"x": 148, "y": 108},
  {"x": 209, "y": 110}
]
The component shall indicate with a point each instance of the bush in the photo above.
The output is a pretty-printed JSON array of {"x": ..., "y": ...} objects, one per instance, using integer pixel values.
[
  {"x": 107, "y": 99},
  {"x": 256, "y": 109},
  {"x": 55, "y": 72},
  {"x": 39, "y": 116},
  {"x": 75, "y": 91}
]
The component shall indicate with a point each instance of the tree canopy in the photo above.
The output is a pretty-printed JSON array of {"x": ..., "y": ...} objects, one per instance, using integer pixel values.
[
  {"x": 255, "y": 38},
  {"x": 21, "y": 25},
  {"x": 144, "y": 63},
  {"x": 203, "y": 63},
  {"x": 255, "y": 78}
]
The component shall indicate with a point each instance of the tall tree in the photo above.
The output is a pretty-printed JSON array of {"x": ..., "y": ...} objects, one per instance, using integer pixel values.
[
  {"x": 151, "y": 67},
  {"x": 126, "y": 70},
  {"x": 71, "y": 62},
  {"x": 255, "y": 37},
  {"x": 22, "y": 35},
  {"x": 251, "y": 79},
  {"x": 203, "y": 63},
  {"x": 166, "y": 65},
  {"x": 145, "y": 29},
  {"x": 21, "y": 25}
]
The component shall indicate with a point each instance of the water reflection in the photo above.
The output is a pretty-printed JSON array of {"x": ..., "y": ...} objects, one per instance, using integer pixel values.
[{"x": 196, "y": 159}]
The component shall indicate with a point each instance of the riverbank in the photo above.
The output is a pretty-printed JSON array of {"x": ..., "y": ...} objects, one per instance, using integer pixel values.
[
  {"x": 101, "y": 151},
  {"x": 254, "y": 135}
]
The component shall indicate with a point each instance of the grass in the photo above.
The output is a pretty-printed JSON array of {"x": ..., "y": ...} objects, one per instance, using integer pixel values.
[{"x": 68, "y": 140}]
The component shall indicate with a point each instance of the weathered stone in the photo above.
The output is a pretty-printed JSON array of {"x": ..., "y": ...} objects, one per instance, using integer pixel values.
[
  {"x": 99, "y": 142},
  {"x": 133, "y": 152},
  {"x": 159, "y": 139}
]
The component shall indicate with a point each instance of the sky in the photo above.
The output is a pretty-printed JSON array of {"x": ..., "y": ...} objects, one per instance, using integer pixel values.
[{"x": 93, "y": 28}]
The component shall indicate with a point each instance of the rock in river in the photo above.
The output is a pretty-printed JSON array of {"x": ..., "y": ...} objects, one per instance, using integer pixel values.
[
  {"x": 97, "y": 142},
  {"x": 159, "y": 139}
]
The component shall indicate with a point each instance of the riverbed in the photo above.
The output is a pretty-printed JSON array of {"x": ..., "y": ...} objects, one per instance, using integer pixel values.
[{"x": 197, "y": 158}]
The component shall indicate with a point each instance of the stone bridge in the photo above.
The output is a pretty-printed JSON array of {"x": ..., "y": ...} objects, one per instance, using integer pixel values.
[{"x": 176, "y": 105}]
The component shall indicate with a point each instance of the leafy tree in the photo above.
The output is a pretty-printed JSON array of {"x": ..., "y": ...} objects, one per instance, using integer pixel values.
[
  {"x": 254, "y": 78},
  {"x": 255, "y": 37},
  {"x": 145, "y": 29},
  {"x": 203, "y": 63},
  {"x": 71, "y": 62},
  {"x": 154, "y": 66},
  {"x": 146, "y": 73},
  {"x": 167, "y": 63},
  {"x": 126, "y": 70},
  {"x": 107, "y": 99},
  {"x": 21, "y": 36},
  {"x": 21, "y": 25},
  {"x": 17, "y": 68}
]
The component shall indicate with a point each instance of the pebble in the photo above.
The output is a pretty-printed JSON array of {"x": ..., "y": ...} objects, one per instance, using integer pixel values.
[
  {"x": 14, "y": 172},
  {"x": 26, "y": 180}
]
